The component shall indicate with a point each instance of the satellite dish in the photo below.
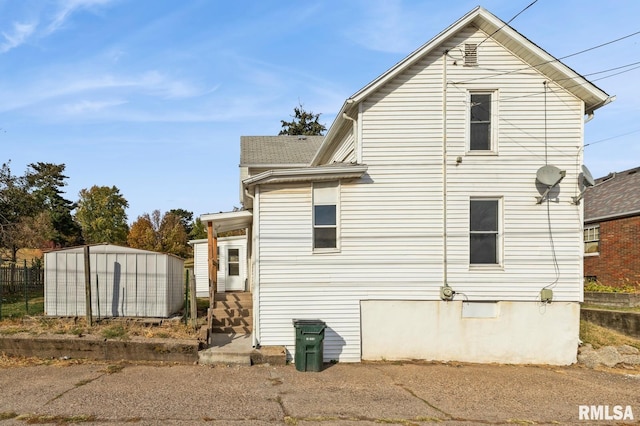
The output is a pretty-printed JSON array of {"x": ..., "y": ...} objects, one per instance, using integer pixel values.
[
  {"x": 587, "y": 178},
  {"x": 549, "y": 175}
]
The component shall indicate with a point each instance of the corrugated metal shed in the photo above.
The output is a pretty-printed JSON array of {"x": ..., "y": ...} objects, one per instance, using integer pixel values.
[{"x": 124, "y": 282}]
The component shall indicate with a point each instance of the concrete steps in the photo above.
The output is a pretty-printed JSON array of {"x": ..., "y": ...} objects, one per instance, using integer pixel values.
[{"x": 237, "y": 349}]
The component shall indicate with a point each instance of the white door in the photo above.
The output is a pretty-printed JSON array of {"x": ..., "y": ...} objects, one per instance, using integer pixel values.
[{"x": 234, "y": 280}]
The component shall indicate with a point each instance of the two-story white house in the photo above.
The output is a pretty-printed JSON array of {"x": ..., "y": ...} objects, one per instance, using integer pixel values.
[{"x": 425, "y": 225}]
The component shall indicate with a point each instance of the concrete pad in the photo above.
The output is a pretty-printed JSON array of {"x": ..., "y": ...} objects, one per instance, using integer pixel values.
[{"x": 227, "y": 349}]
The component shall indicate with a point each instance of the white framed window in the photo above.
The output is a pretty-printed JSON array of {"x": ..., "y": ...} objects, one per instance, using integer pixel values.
[
  {"x": 482, "y": 122},
  {"x": 592, "y": 239},
  {"x": 484, "y": 231},
  {"x": 326, "y": 211}
]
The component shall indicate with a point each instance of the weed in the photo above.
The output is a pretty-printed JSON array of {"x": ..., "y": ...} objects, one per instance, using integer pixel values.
[
  {"x": 115, "y": 331},
  {"x": 8, "y": 415},
  {"x": 625, "y": 286},
  {"x": 34, "y": 419},
  {"x": 600, "y": 336}
]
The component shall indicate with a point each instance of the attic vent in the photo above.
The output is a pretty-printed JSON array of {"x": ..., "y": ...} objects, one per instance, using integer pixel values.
[{"x": 470, "y": 55}]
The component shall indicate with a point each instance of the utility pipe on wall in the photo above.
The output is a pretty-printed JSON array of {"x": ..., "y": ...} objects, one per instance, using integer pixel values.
[{"x": 444, "y": 168}]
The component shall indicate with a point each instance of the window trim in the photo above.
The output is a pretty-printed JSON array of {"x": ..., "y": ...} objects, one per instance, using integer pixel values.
[
  {"x": 313, "y": 217},
  {"x": 585, "y": 230},
  {"x": 493, "y": 128},
  {"x": 499, "y": 234}
]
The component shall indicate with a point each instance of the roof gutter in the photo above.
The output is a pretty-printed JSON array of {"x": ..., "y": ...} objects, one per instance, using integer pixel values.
[
  {"x": 349, "y": 171},
  {"x": 612, "y": 216}
]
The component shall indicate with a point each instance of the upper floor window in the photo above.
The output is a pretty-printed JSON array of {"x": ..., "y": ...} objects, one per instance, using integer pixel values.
[
  {"x": 325, "y": 216},
  {"x": 484, "y": 231},
  {"x": 482, "y": 121},
  {"x": 592, "y": 239}
]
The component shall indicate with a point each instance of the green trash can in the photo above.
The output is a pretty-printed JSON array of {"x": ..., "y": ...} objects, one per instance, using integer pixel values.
[{"x": 309, "y": 344}]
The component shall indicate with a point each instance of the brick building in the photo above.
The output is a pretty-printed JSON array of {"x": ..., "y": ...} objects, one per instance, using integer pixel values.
[{"x": 612, "y": 229}]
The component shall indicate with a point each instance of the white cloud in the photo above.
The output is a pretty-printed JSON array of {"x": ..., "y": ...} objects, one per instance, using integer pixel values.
[
  {"x": 85, "y": 106},
  {"x": 67, "y": 8},
  {"x": 18, "y": 36}
]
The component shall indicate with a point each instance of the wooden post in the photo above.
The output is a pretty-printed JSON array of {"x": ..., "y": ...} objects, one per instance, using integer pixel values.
[
  {"x": 212, "y": 245},
  {"x": 193, "y": 303},
  {"x": 87, "y": 285}
]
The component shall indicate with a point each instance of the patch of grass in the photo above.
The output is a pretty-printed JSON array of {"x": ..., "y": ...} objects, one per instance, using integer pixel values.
[
  {"x": 14, "y": 306},
  {"x": 601, "y": 336},
  {"x": 115, "y": 331},
  {"x": 112, "y": 369},
  {"x": 613, "y": 308},
  {"x": 8, "y": 415}
]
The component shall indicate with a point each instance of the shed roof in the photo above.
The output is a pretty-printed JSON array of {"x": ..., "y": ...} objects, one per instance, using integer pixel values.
[
  {"x": 286, "y": 150},
  {"x": 614, "y": 195}
]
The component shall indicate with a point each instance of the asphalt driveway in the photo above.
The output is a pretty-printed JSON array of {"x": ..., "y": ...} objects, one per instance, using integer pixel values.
[{"x": 342, "y": 394}]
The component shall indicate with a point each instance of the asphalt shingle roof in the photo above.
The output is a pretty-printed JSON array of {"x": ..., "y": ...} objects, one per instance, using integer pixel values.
[
  {"x": 617, "y": 194},
  {"x": 273, "y": 150}
]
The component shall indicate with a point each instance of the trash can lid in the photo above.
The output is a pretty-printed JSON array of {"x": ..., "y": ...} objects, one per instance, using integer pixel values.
[{"x": 308, "y": 322}]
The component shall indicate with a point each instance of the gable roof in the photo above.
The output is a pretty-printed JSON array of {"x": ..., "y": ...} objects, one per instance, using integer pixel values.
[
  {"x": 614, "y": 195},
  {"x": 285, "y": 151},
  {"x": 529, "y": 52}
]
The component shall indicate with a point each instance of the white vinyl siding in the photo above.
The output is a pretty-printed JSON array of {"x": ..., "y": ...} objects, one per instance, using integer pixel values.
[
  {"x": 391, "y": 236},
  {"x": 345, "y": 152}
]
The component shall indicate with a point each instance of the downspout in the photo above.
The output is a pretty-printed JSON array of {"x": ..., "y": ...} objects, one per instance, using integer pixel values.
[
  {"x": 444, "y": 169},
  {"x": 255, "y": 281}
]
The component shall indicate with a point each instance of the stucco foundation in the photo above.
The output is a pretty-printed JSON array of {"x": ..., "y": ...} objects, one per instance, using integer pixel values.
[{"x": 502, "y": 332}]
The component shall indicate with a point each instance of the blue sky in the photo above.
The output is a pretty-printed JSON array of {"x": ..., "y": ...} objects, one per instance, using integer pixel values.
[{"x": 153, "y": 96}]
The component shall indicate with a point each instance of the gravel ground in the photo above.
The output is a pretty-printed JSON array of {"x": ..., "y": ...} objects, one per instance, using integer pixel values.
[{"x": 342, "y": 394}]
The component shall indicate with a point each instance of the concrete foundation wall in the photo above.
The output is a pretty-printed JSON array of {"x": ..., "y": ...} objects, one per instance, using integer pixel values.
[
  {"x": 620, "y": 300},
  {"x": 503, "y": 332},
  {"x": 623, "y": 322},
  {"x": 99, "y": 349}
]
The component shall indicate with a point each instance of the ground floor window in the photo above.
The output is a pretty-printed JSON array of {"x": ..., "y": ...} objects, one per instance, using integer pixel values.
[{"x": 484, "y": 224}]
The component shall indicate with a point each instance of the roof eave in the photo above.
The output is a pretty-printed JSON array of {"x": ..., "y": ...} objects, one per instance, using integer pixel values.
[{"x": 307, "y": 174}]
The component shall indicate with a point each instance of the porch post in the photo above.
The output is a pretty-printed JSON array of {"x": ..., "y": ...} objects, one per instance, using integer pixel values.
[{"x": 212, "y": 256}]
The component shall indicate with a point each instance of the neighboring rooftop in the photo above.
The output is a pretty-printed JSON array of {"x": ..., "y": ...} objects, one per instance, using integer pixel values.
[
  {"x": 614, "y": 195},
  {"x": 278, "y": 150}
]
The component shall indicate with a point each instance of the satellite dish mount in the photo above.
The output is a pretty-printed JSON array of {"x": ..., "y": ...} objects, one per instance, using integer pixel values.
[
  {"x": 586, "y": 180},
  {"x": 550, "y": 176}
]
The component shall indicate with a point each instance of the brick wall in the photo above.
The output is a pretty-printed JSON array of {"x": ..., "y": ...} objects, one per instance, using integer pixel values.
[{"x": 619, "y": 258}]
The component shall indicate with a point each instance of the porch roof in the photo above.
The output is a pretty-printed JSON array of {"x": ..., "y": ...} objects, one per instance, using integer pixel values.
[{"x": 228, "y": 221}]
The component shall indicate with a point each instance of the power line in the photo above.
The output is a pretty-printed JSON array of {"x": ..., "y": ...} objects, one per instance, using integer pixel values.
[
  {"x": 612, "y": 137},
  {"x": 507, "y": 23},
  {"x": 553, "y": 60}
]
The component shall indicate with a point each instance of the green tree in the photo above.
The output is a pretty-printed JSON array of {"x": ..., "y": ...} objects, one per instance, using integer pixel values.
[
  {"x": 198, "y": 230},
  {"x": 186, "y": 218},
  {"x": 174, "y": 236},
  {"x": 102, "y": 216},
  {"x": 46, "y": 180},
  {"x": 16, "y": 205},
  {"x": 303, "y": 123}
]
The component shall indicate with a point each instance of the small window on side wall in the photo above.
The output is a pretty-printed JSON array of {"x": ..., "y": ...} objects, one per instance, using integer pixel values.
[
  {"x": 484, "y": 232},
  {"x": 592, "y": 239},
  {"x": 325, "y": 216}
]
